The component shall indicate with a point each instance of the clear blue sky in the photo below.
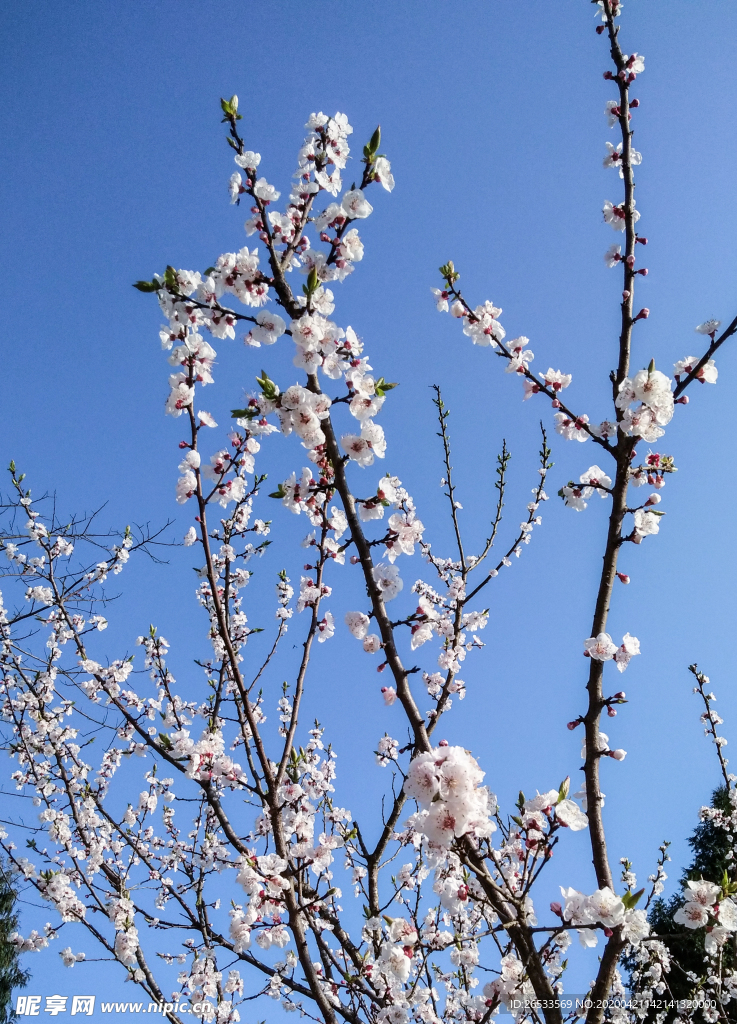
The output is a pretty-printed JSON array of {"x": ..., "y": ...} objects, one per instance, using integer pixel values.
[{"x": 114, "y": 164}]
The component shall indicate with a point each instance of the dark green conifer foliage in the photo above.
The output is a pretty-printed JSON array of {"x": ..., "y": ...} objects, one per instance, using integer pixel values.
[
  {"x": 710, "y": 847},
  {"x": 11, "y": 975}
]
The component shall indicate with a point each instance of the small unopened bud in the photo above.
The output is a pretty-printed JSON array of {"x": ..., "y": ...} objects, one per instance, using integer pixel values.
[
  {"x": 600, "y": 29},
  {"x": 572, "y": 725},
  {"x": 556, "y": 909},
  {"x": 623, "y": 577},
  {"x": 634, "y": 103},
  {"x": 619, "y": 695},
  {"x": 184, "y": 444},
  {"x": 625, "y": 295},
  {"x": 683, "y": 400},
  {"x": 443, "y": 743},
  {"x": 355, "y": 559},
  {"x": 555, "y": 403},
  {"x": 586, "y": 654},
  {"x": 618, "y": 755},
  {"x": 380, "y": 668},
  {"x": 654, "y": 499},
  {"x": 608, "y": 75},
  {"x": 643, "y": 272},
  {"x": 642, "y": 315},
  {"x": 608, "y": 932},
  {"x": 611, "y": 712},
  {"x": 630, "y": 261},
  {"x": 308, "y": 567}
]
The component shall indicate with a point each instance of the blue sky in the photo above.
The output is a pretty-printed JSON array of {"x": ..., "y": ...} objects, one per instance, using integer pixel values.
[{"x": 492, "y": 114}]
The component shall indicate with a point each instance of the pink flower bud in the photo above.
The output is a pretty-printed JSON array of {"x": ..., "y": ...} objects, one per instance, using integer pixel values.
[
  {"x": 443, "y": 743},
  {"x": 608, "y": 932},
  {"x": 600, "y": 29},
  {"x": 184, "y": 444},
  {"x": 380, "y": 668},
  {"x": 642, "y": 315},
  {"x": 574, "y": 724},
  {"x": 654, "y": 499},
  {"x": 644, "y": 271},
  {"x": 623, "y": 577},
  {"x": 611, "y": 712},
  {"x": 642, "y": 241},
  {"x": 557, "y": 909},
  {"x": 634, "y": 103},
  {"x": 683, "y": 400},
  {"x": 625, "y": 295},
  {"x": 586, "y": 654},
  {"x": 555, "y": 403},
  {"x": 618, "y": 755},
  {"x": 630, "y": 261},
  {"x": 308, "y": 567},
  {"x": 619, "y": 695},
  {"x": 608, "y": 75},
  {"x": 355, "y": 559}
]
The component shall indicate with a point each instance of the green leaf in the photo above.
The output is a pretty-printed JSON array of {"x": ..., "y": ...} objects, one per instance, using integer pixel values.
[
  {"x": 449, "y": 272},
  {"x": 564, "y": 788},
  {"x": 147, "y": 286},
  {"x": 374, "y": 143},
  {"x": 382, "y": 386},
  {"x": 279, "y": 493},
  {"x": 631, "y": 899},
  {"x": 170, "y": 277},
  {"x": 313, "y": 283},
  {"x": 267, "y": 385}
]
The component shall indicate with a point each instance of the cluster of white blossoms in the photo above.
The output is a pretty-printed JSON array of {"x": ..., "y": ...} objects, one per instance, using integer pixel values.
[
  {"x": 446, "y": 783},
  {"x": 603, "y": 648},
  {"x": 707, "y": 906},
  {"x": 652, "y": 390},
  {"x": 594, "y": 480},
  {"x": 603, "y": 911},
  {"x": 192, "y": 303}
]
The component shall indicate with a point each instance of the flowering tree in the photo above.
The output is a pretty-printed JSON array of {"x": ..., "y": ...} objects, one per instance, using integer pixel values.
[{"x": 225, "y": 879}]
